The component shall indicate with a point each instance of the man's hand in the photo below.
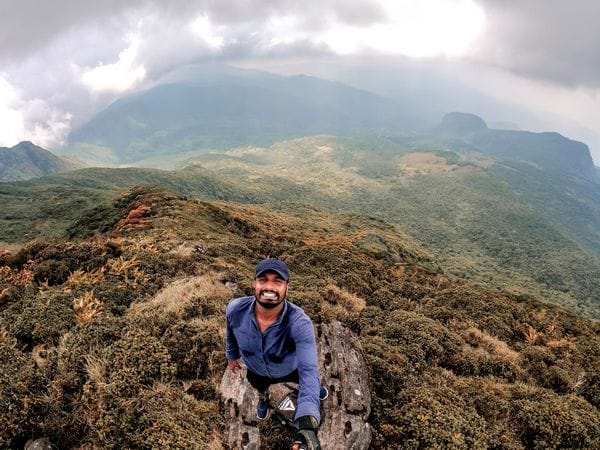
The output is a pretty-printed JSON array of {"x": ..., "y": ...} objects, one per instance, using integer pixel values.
[
  {"x": 235, "y": 365},
  {"x": 306, "y": 436}
]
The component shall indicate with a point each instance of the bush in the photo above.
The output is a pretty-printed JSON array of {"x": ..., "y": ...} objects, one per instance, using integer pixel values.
[
  {"x": 431, "y": 417},
  {"x": 20, "y": 398},
  {"x": 137, "y": 359},
  {"x": 41, "y": 319},
  {"x": 172, "y": 419},
  {"x": 557, "y": 422},
  {"x": 424, "y": 341},
  {"x": 195, "y": 347}
]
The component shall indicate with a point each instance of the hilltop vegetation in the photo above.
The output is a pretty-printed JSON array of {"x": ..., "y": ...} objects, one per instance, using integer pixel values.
[
  {"x": 47, "y": 207},
  {"x": 116, "y": 341}
]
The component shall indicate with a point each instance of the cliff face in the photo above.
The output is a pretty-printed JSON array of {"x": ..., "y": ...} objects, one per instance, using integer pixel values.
[
  {"x": 26, "y": 160},
  {"x": 549, "y": 151}
]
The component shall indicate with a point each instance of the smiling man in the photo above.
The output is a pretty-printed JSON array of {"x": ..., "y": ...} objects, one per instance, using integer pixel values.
[{"x": 275, "y": 338}]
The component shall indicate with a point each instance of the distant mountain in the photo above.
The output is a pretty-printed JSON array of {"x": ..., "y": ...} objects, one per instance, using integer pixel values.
[
  {"x": 26, "y": 160},
  {"x": 550, "y": 151},
  {"x": 223, "y": 110}
]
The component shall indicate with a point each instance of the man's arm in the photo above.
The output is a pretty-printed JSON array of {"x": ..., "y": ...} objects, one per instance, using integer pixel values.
[
  {"x": 232, "y": 349},
  {"x": 308, "y": 371}
]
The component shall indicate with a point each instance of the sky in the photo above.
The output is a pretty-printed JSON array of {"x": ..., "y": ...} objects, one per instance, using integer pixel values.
[{"x": 64, "y": 60}]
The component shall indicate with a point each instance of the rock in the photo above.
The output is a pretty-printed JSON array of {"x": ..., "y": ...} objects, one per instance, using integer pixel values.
[
  {"x": 38, "y": 444},
  {"x": 344, "y": 413},
  {"x": 231, "y": 285}
]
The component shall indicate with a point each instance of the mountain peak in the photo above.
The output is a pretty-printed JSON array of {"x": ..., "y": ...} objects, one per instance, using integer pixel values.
[
  {"x": 26, "y": 160},
  {"x": 461, "y": 123}
]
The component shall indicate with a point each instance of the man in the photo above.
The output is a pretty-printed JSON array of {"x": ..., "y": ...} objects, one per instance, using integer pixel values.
[{"x": 276, "y": 340}]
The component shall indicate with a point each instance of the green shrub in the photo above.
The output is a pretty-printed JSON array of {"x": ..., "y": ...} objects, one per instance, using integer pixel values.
[
  {"x": 431, "y": 417},
  {"x": 41, "y": 319},
  {"x": 424, "y": 341},
  {"x": 195, "y": 347},
  {"x": 172, "y": 419},
  {"x": 20, "y": 396},
  {"x": 137, "y": 359},
  {"x": 557, "y": 422}
]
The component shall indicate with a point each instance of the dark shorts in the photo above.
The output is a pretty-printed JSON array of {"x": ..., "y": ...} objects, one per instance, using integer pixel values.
[{"x": 261, "y": 384}]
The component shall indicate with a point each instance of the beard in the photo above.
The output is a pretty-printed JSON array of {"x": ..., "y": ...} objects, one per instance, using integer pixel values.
[{"x": 269, "y": 304}]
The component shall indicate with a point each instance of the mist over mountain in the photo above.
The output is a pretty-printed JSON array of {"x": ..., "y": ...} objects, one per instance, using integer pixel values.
[
  {"x": 216, "y": 110},
  {"x": 198, "y": 109},
  {"x": 26, "y": 160}
]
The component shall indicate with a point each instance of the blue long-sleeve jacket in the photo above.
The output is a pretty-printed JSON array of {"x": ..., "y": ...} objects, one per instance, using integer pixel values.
[{"x": 285, "y": 346}]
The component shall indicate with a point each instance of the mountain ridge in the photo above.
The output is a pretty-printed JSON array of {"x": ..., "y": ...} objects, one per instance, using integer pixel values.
[
  {"x": 502, "y": 224},
  {"x": 548, "y": 150},
  {"x": 222, "y": 113},
  {"x": 26, "y": 160}
]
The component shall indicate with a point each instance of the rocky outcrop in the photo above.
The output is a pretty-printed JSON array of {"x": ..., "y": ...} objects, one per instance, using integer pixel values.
[{"x": 344, "y": 413}]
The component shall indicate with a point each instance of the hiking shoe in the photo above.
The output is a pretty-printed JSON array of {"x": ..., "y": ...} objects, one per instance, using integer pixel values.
[
  {"x": 323, "y": 393},
  {"x": 263, "y": 407}
]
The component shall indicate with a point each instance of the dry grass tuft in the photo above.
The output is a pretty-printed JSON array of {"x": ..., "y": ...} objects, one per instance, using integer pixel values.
[
  {"x": 6, "y": 339},
  {"x": 492, "y": 345},
  {"x": 531, "y": 335},
  {"x": 563, "y": 342},
  {"x": 341, "y": 304},
  {"x": 21, "y": 277},
  {"x": 96, "y": 369},
  {"x": 79, "y": 277},
  {"x": 126, "y": 270},
  {"x": 176, "y": 298},
  {"x": 39, "y": 353},
  {"x": 87, "y": 308}
]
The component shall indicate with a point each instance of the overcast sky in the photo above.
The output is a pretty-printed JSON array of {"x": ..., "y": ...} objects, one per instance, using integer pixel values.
[{"x": 61, "y": 60}]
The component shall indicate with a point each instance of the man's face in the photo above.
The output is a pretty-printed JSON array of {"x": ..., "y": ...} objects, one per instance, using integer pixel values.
[{"x": 269, "y": 289}]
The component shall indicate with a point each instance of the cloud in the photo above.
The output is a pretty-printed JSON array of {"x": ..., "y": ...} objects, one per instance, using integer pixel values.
[
  {"x": 32, "y": 120},
  {"x": 67, "y": 59},
  {"x": 549, "y": 40},
  {"x": 119, "y": 76}
]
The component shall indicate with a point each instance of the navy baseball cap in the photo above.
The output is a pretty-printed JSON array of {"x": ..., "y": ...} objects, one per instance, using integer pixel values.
[{"x": 272, "y": 265}]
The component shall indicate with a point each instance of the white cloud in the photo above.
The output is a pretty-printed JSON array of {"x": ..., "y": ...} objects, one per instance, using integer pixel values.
[
  {"x": 12, "y": 129},
  {"x": 202, "y": 28},
  {"x": 119, "y": 76},
  {"x": 32, "y": 120},
  {"x": 413, "y": 28}
]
